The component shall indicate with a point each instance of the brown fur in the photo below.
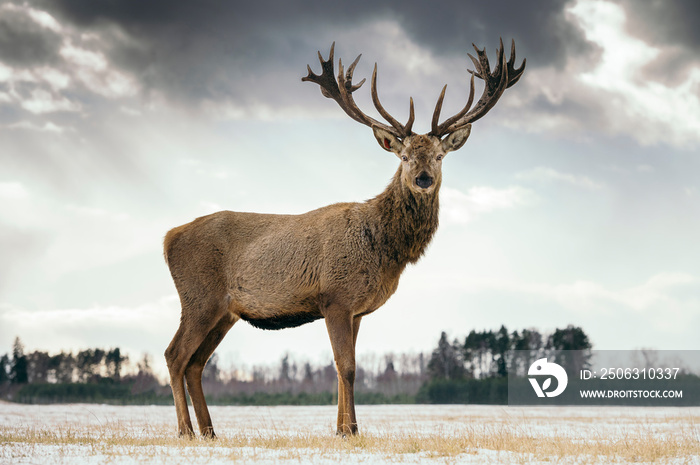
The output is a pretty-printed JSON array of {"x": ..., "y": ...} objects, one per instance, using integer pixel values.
[{"x": 339, "y": 262}]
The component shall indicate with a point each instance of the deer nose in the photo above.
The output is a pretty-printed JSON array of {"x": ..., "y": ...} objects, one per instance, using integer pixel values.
[{"x": 424, "y": 180}]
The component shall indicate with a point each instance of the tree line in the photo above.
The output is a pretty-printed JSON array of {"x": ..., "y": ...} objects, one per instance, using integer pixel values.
[
  {"x": 90, "y": 375},
  {"x": 39, "y": 367},
  {"x": 475, "y": 369},
  {"x": 469, "y": 370}
]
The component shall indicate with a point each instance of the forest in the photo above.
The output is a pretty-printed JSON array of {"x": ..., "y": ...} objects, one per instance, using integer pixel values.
[{"x": 472, "y": 369}]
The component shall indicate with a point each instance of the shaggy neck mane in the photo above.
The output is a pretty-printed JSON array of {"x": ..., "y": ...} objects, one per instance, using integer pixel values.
[{"x": 408, "y": 221}]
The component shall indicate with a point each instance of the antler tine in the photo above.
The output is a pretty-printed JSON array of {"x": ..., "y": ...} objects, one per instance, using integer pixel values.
[
  {"x": 347, "y": 102},
  {"x": 436, "y": 113},
  {"x": 411, "y": 118},
  {"x": 503, "y": 76},
  {"x": 341, "y": 91},
  {"x": 513, "y": 73},
  {"x": 448, "y": 126},
  {"x": 330, "y": 55},
  {"x": 326, "y": 80},
  {"x": 500, "y": 55},
  {"x": 403, "y": 130},
  {"x": 494, "y": 85},
  {"x": 351, "y": 70},
  {"x": 480, "y": 64}
]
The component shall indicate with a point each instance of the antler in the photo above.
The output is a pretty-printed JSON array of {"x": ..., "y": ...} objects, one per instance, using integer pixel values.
[
  {"x": 342, "y": 89},
  {"x": 504, "y": 75}
]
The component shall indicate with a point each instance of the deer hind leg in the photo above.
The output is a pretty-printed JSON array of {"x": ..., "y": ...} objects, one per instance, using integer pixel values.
[
  {"x": 195, "y": 325},
  {"x": 193, "y": 372},
  {"x": 340, "y": 329}
]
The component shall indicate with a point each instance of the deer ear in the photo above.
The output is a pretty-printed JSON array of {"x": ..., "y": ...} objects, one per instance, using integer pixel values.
[
  {"x": 456, "y": 140},
  {"x": 387, "y": 140}
]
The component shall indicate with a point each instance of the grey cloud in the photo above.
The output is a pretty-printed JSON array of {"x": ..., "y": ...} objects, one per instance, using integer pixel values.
[
  {"x": 23, "y": 42},
  {"x": 205, "y": 50},
  {"x": 540, "y": 28},
  {"x": 673, "y": 25},
  {"x": 668, "y": 22}
]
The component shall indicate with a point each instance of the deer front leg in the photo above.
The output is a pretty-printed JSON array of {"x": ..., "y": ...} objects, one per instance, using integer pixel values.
[
  {"x": 341, "y": 393},
  {"x": 341, "y": 332}
]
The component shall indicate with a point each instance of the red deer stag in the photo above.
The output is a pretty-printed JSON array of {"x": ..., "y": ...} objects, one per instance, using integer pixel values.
[{"x": 340, "y": 262}]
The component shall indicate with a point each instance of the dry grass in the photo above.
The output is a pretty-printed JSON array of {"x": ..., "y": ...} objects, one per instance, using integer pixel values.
[
  {"x": 504, "y": 439},
  {"x": 634, "y": 447}
]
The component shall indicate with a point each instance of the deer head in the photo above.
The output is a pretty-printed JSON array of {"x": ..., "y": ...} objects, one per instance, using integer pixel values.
[{"x": 421, "y": 155}]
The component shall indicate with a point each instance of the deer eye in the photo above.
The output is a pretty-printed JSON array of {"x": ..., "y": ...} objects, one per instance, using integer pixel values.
[
  {"x": 439, "y": 157},
  {"x": 404, "y": 158}
]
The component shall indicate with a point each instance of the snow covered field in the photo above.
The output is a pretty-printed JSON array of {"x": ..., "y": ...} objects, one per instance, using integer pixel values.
[{"x": 88, "y": 434}]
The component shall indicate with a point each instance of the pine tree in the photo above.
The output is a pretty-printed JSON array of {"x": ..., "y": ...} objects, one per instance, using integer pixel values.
[
  {"x": 570, "y": 338},
  {"x": 38, "y": 367},
  {"x": 501, "y": 345},
  {"x": 4, "y": 369},
  {"x": 62, "y": 367},
  {"x": 479, "y": 351},
  {"x": 445, "y": 361},
  {"x": 90, "y": 362},
  {"x": 114, "y": 361},
  {"x": 308, "y": 374},
  {"x": 18, "y": 369},
  {"x": 284, "y": 375},
  {"x": 574, "y": 341}
]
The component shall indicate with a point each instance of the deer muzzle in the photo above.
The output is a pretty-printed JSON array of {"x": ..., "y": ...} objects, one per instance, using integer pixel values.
[{"x": 424, "y": 180}]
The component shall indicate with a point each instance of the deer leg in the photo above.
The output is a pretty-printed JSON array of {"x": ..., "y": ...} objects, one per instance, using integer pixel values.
[
  {"x": 177, "y": 385},
  {"x": 340, "y": 331},
  {"x": 355, "y": 329},
  {"x": 193, "y": 372},
  {"x": 341, "y": 393},
  {"x": 341, "y": 404},
  {"x": 188, "y": 338}
]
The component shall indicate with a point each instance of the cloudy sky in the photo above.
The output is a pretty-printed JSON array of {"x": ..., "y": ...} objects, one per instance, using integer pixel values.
[{"x": 575, "y": 201}]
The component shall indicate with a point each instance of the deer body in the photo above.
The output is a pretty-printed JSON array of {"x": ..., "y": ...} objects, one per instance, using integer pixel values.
[
  {"x": 280, "y": 271},
  {"x": 339, "y": 262}
]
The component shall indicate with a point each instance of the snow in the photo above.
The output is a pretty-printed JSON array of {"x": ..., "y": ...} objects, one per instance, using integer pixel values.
[{"x": 136, "y": 434}]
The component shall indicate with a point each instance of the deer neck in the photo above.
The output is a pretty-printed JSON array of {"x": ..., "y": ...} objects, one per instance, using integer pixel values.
[{"x": 408, "y": 221}]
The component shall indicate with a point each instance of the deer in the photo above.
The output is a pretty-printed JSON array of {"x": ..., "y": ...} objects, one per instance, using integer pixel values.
[{"x": 340, "y": 262}]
